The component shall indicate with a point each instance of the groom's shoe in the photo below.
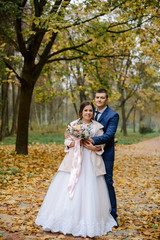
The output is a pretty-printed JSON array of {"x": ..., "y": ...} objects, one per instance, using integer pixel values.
[{"x": 117, "y": 224}]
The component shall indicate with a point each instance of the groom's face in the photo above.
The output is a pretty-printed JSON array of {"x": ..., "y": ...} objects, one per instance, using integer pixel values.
[{"x": 101, "y": 100}]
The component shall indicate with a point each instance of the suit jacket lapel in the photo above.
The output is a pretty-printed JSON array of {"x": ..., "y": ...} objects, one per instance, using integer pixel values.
[{"x": 103, "y": 114}]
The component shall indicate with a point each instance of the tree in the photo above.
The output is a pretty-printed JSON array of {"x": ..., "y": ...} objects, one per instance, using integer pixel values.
[{"x": 38, "y": 27}]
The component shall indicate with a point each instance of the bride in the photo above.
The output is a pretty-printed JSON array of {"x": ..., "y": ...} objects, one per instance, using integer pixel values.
[{"x": 77, "y": 201}]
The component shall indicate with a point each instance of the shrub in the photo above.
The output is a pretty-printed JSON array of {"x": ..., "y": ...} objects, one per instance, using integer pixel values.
[{"x": 144, "y": 130}]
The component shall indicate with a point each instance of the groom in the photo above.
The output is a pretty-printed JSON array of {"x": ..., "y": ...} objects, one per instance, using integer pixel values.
[{"x": 109, "y": 119}]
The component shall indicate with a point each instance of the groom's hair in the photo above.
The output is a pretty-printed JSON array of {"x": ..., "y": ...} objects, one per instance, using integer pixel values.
[{"x": 102, "y": 90}]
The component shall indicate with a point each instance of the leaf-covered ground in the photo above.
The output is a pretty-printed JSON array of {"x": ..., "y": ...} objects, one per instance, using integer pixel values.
[{"x": 25, "y": 180}]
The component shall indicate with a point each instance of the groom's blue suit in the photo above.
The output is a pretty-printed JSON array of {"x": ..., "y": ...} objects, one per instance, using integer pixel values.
[{"x": 109, "y": 119}]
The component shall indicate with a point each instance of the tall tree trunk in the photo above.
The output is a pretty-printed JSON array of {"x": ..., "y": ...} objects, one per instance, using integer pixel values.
[
  {"x": 36, "y": 113},
  {"x": 23, "y": 118},
  {"x": 74, "y": 104},
  {"x": 15, "y": 111},
  {"x": 46, "y": 114},
  {"x": 4, "y": 110},
  {"x": 141, "y": 122},
  {"x": 124, "y": 122},
  {"x": 7, "y": 120},
  {"x": 134, "y": 119},
  {"x": 41, "y": 113},
  {"x": 75, "y": 108}
]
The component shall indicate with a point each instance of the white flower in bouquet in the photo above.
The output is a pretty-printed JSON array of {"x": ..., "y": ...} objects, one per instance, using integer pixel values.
[{"x": 79, "y": 130}]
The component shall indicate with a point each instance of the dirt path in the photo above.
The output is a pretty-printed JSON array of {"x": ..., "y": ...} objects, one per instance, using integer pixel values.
[{"x": 136, "y": 177}]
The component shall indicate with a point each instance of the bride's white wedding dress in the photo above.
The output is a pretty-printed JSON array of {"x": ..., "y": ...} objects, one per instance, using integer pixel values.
[{"x": 87, "y": 214}]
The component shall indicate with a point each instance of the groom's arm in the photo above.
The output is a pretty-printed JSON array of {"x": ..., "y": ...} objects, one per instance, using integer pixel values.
[{"x": 110, "y": 132}]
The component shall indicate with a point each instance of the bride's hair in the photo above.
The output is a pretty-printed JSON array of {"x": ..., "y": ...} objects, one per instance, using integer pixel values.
[{"x": 83, "y": 105}]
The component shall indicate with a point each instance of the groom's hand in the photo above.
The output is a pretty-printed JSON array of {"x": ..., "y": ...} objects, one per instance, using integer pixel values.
[
  {"x": 90, "y": 146},
  {"x": 88, "y": 140}
]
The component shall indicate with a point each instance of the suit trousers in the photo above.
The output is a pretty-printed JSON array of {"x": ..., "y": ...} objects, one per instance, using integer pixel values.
[{"x": 111, "y": 191}]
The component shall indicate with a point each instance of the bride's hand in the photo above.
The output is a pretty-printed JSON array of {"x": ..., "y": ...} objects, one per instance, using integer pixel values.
[{"x": 71, "y": 145}]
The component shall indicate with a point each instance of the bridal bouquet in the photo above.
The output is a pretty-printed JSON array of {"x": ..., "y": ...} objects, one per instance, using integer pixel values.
[{"x": 79, "y": 130}]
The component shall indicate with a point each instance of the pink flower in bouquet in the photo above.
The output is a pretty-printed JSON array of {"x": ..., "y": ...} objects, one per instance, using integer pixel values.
[{"x": 79, "y": 130}]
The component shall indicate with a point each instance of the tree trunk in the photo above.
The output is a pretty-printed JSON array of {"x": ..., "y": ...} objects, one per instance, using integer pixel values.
[
  {"x": 75, "y": 108},
  {"x": 134, "y": 120},
  {"x": 15, "y": 112},
  {"x": 82, "y": 96},
  {"x": 141, "y": 121},
  {"x": 124, "y": 122},
  {"x": 46, "y": 114},
  {"x": 41, "y": 113},
  {"x": 7, "y": 120},
  {"x": 23, "y": 118},
  {"x": 36, "y": 113},
  {"x": 4, "y": 110}
]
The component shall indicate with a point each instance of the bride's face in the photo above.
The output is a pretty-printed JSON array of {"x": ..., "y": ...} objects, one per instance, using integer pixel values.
[{"x": 87, "y": 113}]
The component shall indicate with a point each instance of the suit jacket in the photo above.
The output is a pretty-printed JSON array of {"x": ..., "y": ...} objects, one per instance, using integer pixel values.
[
  {"x": 109, "y": 119},
  {"x": 96, "y": 157}
]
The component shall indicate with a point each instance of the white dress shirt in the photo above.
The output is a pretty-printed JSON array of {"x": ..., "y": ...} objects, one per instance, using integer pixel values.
[{"x": 100, "y": 112}]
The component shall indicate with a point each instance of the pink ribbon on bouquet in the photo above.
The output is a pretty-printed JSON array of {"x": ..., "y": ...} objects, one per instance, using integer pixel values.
[{"x": 76, "y": 168}]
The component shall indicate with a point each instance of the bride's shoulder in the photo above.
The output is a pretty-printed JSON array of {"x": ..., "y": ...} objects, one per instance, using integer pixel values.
[
  {"x": 73, "y": 122},
  {"x": 97, "y": 124}
]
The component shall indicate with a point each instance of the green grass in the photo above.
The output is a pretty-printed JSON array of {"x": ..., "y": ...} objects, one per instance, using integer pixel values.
[
  {"x": 39, "y": 137},
  {"x": 134, "y": 137},
  {"x": 57, "y": 137}
]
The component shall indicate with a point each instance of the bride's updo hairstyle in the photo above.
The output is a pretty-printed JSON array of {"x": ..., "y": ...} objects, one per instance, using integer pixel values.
[{"x": 83, "y": 105}]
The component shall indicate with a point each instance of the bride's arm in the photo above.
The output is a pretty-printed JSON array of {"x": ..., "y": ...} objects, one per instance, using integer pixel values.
[{"x": 68, "y": 142}]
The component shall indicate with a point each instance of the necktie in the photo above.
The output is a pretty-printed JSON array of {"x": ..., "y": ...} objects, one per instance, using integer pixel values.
[{"x": 97, "y": 113}]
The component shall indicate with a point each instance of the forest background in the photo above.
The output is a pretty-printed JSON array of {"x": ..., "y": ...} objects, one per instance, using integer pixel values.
[{"x": 56, "y": 54}]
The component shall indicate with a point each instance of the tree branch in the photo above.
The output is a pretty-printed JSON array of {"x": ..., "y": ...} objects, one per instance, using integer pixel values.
[
  {"x": 20, "y": 39},
  {"x": 36, "y": 6},
  {"x": 11, "y": 40},
  {"x": 69, "y": 48},
  {"x": 10, "y": 67},
  {"x": 108, "y": 56},
  {"x": 44, "y": 56},
  {"x": 41, "y": 5},
  {"x": 126, "y": 30},
  {"x": 23, "y": 3},
  {"x": 131, "y": 109},
  {"x": 64, "y": 59},
  {"x": 35, "y": 41},
  {"x": 78, "y": 22},
  {"x": 56, "y": 6}
]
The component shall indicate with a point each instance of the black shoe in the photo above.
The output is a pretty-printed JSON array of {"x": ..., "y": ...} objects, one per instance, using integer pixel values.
[{"x": 117, "y": 224}]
